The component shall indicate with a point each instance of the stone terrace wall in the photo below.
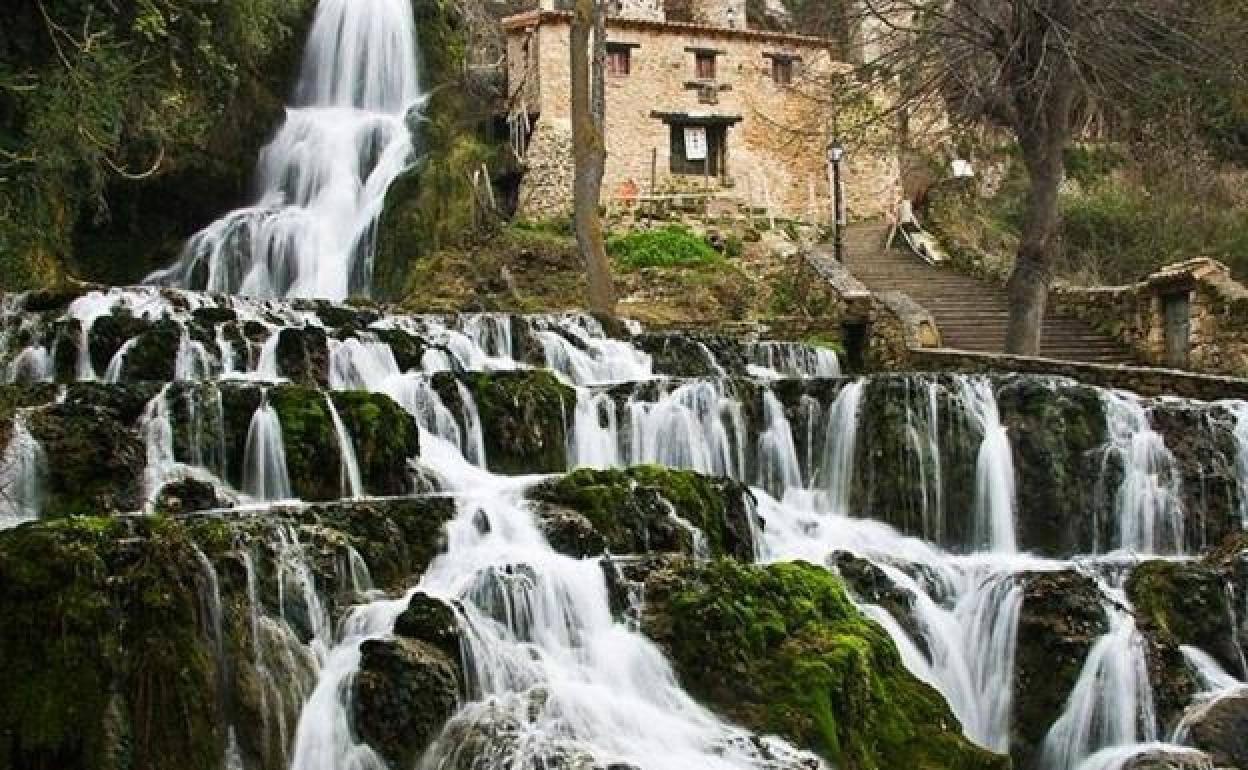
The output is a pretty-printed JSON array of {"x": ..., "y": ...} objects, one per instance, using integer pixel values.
[
  {"x": 1136, "y": 315},
  {"x": 1143, "y": 380},
  {"x": 775, "y": 152}
]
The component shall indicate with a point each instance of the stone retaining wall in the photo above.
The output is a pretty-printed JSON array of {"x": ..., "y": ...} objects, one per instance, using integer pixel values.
[
  {"x": 1216, "y": 314},
  {"x": 1143, "y": 380}
]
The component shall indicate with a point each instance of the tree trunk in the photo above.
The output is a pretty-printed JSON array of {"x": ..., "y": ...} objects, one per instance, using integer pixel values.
[
  {"x": 589, "y": 150},
  {"x": 1028, "y": 287}
]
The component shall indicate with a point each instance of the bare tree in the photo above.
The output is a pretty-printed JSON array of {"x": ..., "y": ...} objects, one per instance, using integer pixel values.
[
  {"x": 589, "y": 46},
  {"x": 1037, "y": 68}
]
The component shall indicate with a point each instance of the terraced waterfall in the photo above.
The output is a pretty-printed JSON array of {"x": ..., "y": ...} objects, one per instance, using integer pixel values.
[{"x": 244, "y": 528}]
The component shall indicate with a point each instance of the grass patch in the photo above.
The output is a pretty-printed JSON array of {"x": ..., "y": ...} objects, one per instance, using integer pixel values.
[{"x": 672, "y": 246}]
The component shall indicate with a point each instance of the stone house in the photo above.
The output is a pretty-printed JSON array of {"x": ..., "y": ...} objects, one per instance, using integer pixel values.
[{"x": 708, "y": 105}]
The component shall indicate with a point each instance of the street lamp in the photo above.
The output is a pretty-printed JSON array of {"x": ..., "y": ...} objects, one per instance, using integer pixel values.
[{"x": 836, "y": 153}]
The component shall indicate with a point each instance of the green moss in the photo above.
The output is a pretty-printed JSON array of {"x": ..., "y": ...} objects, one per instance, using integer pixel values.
[
  {"x": 631, "y": 508},
  {"x": 312, "y": 456},
  {"x": 105, "y": 663},
  {"x": 523, "y": 415},
  {"x": 385, "y": 437},
  {"x": 782, "y": 649}
]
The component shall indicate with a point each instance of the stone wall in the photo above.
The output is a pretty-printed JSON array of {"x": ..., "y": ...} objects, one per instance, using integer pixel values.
[
  {"x": 1143, "y": 380},
  {"x": 775, "y": 144},
  {"x": 719, "y": 13},
  {"x": 1217, "y": 339}
]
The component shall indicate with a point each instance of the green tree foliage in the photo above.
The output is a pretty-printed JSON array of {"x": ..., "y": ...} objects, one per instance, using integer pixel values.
[{"x": 96, "y": 95}]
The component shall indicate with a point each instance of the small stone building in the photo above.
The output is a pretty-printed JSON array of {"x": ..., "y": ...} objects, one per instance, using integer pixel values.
[{"x": 691, "y": 107}]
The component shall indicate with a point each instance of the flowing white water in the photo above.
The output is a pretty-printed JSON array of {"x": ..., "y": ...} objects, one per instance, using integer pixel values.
[
  {"x": 835, "y": 481},
  {"x": 21, "y": 467},
  {"x": 32, "y": 364},
  {"x": 264, "y": 465},
  {"x": 1111, "y": 705},
  {"x": 787, "y": 359},
  {"x": 1148, "y": 512},
  {"x": 350, "y": 481},
  {"x": 994, "y": 471},
  {"x": 324, "y": 177},
  {"x": 1239, "y": 410},
  {"x": 778, "y": 467}
]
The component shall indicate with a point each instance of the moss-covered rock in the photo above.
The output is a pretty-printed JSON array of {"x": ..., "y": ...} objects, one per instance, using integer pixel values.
[
  {"x": 95, "y": 461},
  {"x": 1054, "y": 430},
  {"x": 404, "y": 692},
  {"x": 313, "y": 458},
  {"x": 1202, "y": 439},
  {"x": 781, "y": 649},
  {"x": 303, "y": 355},
  {"x": 1061, "y": 617},
  {"x": 523, "y": 414},
  {"x": 1221, "y": 729},
  {"x": 385, "y": 438},
  {"x": 106, "y": 662},
  {"x": 1186, "y": 603},
  {"x": 632, "y": 511}
]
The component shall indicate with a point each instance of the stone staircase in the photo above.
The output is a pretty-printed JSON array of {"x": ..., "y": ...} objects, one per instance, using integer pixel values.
[{"x": 971, "y": 313}]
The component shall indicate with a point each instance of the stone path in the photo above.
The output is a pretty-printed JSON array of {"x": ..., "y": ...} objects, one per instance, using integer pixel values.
[{"x": 970, "y": 313}]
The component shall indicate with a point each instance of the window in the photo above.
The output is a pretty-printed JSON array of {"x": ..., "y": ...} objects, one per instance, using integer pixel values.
[
  {"x": 704, "y": 63},
  {"x": 782, "y": 71},
  {"x": 619, "y": 61}
]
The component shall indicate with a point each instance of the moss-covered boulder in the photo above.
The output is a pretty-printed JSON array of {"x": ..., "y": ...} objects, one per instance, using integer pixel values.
[
  {"x": 1187, "y": 603},
  {"x": 781, "y": 649},
  {"x": 94, "y": 460},
  {"x": 404, "y": 692},
  {"x": 384, "y": 436},
  {"x": 1061, "y": 617},
  {"x": 303, "y": 355},
  {"x": 648, "y": 509},
  {"x": 313, "y": 457},
  {"x": 1054, "y": 430},
  {"x": 106, "y": 663},
  {"x": 524, "y": 417}
]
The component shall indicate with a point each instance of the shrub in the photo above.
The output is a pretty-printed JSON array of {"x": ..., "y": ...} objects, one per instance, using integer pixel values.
[{"x": 673, "y": 246}]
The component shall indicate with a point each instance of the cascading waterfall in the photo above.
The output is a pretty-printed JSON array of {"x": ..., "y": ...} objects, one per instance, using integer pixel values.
[
  {"x": 351, "y": 482},
  {"x": 994, "y": 470},
  {"x": 1111, "y": 706},
  {"x": 21, "y": 466},
  {"x": 778, "y": 466},
  {"x": 786, "y": 359},
  {"x": 1147, "y": 510},
  {"x": 1239, "y": 411},
  {"x": 264, "y": 465},
  {"x": 550, "y": 673},
  {"x": 324, "y": 177},
  {"x": 834, "y": 483}
]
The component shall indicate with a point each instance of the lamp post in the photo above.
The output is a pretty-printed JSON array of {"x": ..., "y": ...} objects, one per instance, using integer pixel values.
[{"x": 835, "y": 154}]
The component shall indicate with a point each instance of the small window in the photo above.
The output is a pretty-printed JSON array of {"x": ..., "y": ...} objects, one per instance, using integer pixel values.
[
  {"x": 705, "y": 65},
  {"x": 782, "y": 71},
  {"x": 619, "y": 62}
]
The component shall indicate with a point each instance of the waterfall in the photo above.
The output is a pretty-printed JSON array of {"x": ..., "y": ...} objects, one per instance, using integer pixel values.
[
  {"x": 994, "y": 470},
  {"x": 474, "y": 433},
  {"x": 835, "y": 483},
  {"x": 192, "y": 361},
  {"x": 21, "y": 466},
  {"x": 1112, "y": 702},
  {"x": 696, "y": 427},
  {"x": 33, "y": 364},
  {"x": 264, "y": 464},
  {"x": 1147, "y": 510},
  {"x": 324, "y": 176},
  {"x": 157, "y": 431},
  {"x": 778, "y": 466},
  {"x": 116, "y": 364},
  {"x": 594, "y": 440},
  {"x": 787, "y": 359},
  {"x": 537, "y": 629},
  {"x": 351, "y": 482},
  {"x": 1239, "y": 410}
]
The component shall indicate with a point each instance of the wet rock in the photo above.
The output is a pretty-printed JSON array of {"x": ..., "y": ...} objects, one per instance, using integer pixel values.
[
  {"x": 153, "y": 358},
  {"x": 95, "y": 461},
  {"x": 385, "y": 438},
  {"x": 523, "y": 415},
  {"x": 1061, "y": 618},
  {"x": 303, "y": 355},
  {"x": 431, "y": 621},
  {"x": 1187, "y": 603},
  {"x": 1054, "y": 429},
  {"x": 1201, "y": 437},
  {"x": 404, "y": 692},
  {"x": 408, "y": 350},
  {"x": 569, "y": 532},
  {"x": 782, "y": 650},
  {"x": 1220, "y": 728},
  {"x": 652, "y": 509},
  {"x": 693, "y": 355},
  {"x": 186, "y": 496}
]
